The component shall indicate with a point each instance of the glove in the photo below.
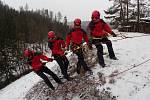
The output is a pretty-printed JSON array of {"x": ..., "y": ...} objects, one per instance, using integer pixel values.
[
  {"x": 113, "y": 34},
  {"x": 50, "y": 59},
  {"x": 66, "y": 53},
  {"x": 90, "y": 46},
  {"x": 43, "y": 63}
]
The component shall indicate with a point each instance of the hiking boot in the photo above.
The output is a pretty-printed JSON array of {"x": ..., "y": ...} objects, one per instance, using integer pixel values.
[
  {"x": 114, "y": 58},
  {"x": 53, "y": 88},
  {"x": 69, "y": 78},
  {"x": 103, "y": 65},
  {"x": 60, "y": 82},
  {"x": 89, "y": 72}
]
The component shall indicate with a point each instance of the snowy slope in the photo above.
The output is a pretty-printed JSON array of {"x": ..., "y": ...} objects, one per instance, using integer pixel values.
[
  {"x": 18, "y": 89},
  {"x": 133, "y": 84}
]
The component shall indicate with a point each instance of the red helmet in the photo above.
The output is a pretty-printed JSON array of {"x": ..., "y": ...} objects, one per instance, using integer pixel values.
[
  {"x": 27, "y": 52},
  {"x": 77, "y": 22},
  {"x": 95, "y": 14},
  {"x": 51, "y": 34}
]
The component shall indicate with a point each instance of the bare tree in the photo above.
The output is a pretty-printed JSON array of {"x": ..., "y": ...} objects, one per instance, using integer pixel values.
[
  {"x": 26, "y": 7},
  {"x": 51, "y": 15},
  {"x": 65, "y": 20},
  {"x": 59, "y": 16}
]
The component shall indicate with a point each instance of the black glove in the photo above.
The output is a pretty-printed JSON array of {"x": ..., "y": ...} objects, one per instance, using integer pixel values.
[
  {"x": 43, "y": 63},
  {"x": 66, "y": 53},
  {"x": 113, "y": 34},
  {"x": 90, "y": 46},
  {"x": 50, "y": 59}
]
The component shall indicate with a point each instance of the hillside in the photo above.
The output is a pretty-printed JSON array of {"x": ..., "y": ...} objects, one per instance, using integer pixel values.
[{"x": 123, "y": 79}]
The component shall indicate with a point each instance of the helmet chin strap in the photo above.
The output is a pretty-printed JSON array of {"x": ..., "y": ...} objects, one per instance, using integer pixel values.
[
  {"x": 77, "y": 27},
  {"x": 96, "y": 20}
]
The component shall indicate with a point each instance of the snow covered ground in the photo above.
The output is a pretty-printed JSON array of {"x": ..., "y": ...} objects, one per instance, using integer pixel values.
[{"x": 132, "y": 84}]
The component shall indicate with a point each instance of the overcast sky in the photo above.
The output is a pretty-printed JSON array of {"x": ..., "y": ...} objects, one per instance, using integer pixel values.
[{"x": 71, "y": 8}]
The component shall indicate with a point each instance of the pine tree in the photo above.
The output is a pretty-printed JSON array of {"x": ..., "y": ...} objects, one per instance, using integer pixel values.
[
  {"x": 19, "y": 29},
  {"x": 120, "y": 12}
]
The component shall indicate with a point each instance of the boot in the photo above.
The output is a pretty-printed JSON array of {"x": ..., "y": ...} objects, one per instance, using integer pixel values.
[
  {"x": 53, "y": 88},
  {"x": 69, "y": 78},
  {"x": 60, "y": 82},
  {"x": 103, "y": 65},
  {"x": 90, "y": 72},
  {"x": 114, "y": 58}
]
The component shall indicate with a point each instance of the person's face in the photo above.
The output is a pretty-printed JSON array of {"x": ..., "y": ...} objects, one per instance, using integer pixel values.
[
  {"x": 52, "y": 39},
  {"x": 77, "y": 26},
  {"x": 95, "y": 19}
]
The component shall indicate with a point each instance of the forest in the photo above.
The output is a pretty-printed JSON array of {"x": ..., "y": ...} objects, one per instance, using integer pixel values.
[{"x": 20, "y": 29}]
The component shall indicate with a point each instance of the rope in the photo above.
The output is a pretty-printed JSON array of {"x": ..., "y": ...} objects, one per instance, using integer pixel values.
[
  {"x": 100, "y": 81},
  {"x": 122, "y": 38},
  {"x": 125, "y": 37},
  {"x": 134, "y": 66},
  {"x": 131, "y": 68}
]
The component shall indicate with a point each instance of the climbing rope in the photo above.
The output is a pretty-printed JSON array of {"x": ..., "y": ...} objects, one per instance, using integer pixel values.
[
  {"x": 133, "y": 66},
  {"x": 114, "y": 75}
]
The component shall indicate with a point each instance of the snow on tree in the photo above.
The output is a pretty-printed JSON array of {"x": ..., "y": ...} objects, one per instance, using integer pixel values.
[{"x": 121, "y": 11}]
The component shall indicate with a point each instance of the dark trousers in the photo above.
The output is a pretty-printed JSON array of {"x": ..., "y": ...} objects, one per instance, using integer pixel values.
[
  {"x": 81, "y": 61},
  {"x": 98, "y": 44},
  {"x": 63, "y": 63},
  {"x": 45, "y": 78}
]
